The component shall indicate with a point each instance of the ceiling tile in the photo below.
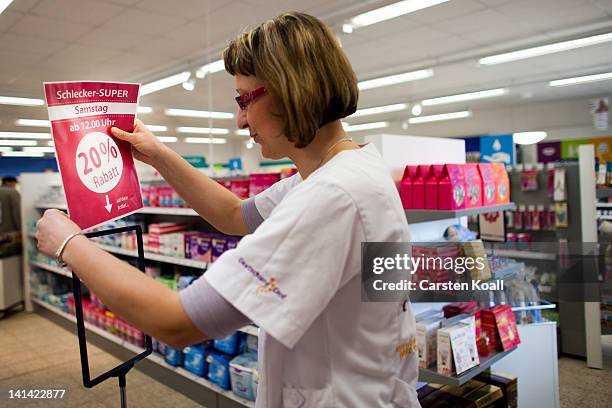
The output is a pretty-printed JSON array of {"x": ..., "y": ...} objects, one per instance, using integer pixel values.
[
  {"x": 604, "y": 5},
  {"x": 81, "y": 11},
  {"x": 81, "y": 57},
  {"x": 145, "y": 22},
  {"x": 49, "y": 28},
  {"x": 485, "y": 20},
  {"x": 188, "y": 9},
  {"x": 18, "y": 43},
  {"x": 8, "y": 19},
  {"x": 389, "y": 28},
  {"x": 115, "y": 39}
]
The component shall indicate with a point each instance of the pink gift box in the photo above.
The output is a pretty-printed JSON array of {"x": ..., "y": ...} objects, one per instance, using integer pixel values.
[
  {"x": 451, "y": 188},
  {"x": 406, "y": 187},
  {"x": 503, "y": 183},
  {"x": 473, "y": 185},
  {"x": 489, "y": 183},
  {"x": 418, "y": 186},
  {"x": 431, "y": 186}
]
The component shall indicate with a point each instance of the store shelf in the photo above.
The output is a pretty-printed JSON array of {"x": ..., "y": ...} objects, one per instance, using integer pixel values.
[
  {"x": 154, "y": 358},
  {"x": 604, "y": 205},
  {"x": 430, "y": 375},
  {"x": 414, "y": 216},
  {"x": 156, "y": 257},
  {"x": 144, "y": 210},
  {"x": 59, "y": 206},
  {"x": 515, "y": 253},
  {"x": 604, "y": 192},
  {"x": 52, "y": 268},
  {"x": 605, "y": 217}
]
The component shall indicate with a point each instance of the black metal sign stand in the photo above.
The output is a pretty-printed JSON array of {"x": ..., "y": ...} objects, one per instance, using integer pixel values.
[{"x": 121, "y": 370}]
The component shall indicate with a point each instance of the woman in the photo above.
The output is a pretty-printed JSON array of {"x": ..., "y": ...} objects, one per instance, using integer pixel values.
[{"x": 296, "y": 272}]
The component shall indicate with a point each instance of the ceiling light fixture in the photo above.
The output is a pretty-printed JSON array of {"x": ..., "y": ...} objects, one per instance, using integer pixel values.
[
  {"x": 202, "y": 130},
  {"x": 4, "y": 4},
  {"x": 32, "y": 122},
  {"x": 164, "y": 83},
  {"x": 489, "y": 93},
  {"x": 249, "y": 144},
  {"x": 39, "y": 149},
  {"x": 365, "y": 126},
  {"x": 13, "y": 142},
  {"x": 12, "y": 100},
  {"x": 347, "y": 28},
  {"x": 189, "y": 85},
  {"x": 22, "y": 154},
  {"x": 6, "y": 149},
  {"x": 210, "y": 68},
  {"x": 157, "y": 128},
  {"x": 391, "y": 11},
  {"x": 379, "y": 109},
  {"x": 417, "y": 109},
  {"x": 144, "y": 109},
  {"x": 439, "y": 117},
  {"x": 190, "y": 113},
  {"x": 205, "y": 140},
  {"x": 527, "y": 138},
  {"x": 581, "y": 79},
  {"x": 395, "y": 79},
  {"x": 24, "y": 135},
  {"x": 167, "y": 139},
  {"x": 545, "y": 49}
]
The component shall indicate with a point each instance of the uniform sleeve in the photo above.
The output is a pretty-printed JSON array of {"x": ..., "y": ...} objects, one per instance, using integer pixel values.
[{"x": 284, "y": 274}]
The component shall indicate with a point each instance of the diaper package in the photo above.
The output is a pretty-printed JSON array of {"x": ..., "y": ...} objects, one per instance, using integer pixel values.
[
  {"x": 229, "y": 345},
  {"x": 174, "y": 357},
  {"x": 242, "y": 371},
  {"x": 195, "y": 360},
  {"x": 218, "y": 369}
]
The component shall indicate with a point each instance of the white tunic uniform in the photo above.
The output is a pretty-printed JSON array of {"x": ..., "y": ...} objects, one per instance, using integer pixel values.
[{"x": 298, "y": 277}]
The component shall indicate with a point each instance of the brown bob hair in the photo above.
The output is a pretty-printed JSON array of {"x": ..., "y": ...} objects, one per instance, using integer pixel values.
[{"x": 301, "y": 63}]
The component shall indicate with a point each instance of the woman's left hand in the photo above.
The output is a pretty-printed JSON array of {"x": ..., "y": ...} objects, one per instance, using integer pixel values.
[{"x": 52, "y": 229}]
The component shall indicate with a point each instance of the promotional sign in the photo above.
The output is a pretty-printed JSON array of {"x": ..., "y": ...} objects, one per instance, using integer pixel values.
[
  {"x": 497, "y": 149},
  {"x": 603, "y": 148},
  {"x": 569, "y": 148},
  {"x": 98, "y": 173},
  {"x": 549, "y": 152}
]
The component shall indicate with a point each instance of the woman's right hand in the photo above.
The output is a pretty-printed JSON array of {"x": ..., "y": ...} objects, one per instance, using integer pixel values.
[{"x": 145, "y": 146}]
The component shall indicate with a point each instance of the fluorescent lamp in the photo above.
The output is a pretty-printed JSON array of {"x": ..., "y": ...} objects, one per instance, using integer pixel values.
[
  {"x": 417, "y": 109},
  {"x": 211, "y": 68},
  {"x": 144, "y": 109},
  {"x": 167, "y": 139},
  {"x": 39, "y": 149},
  {"x": 395, "y": 79},
  {"x": 24, "y": 135},
  {"x": 206, "y": 140},
  {"x": 489, "y": 93},
  {"x": 190, "y": 113},
  {"x": 365, "y": 126},
  {"x": 51, "y": 143},
  {"x": 379, "y": 109},
  {"x": 581, "y": 79},
  {"x": 14, "y": 142},
  {"x": 545, "y": 49},
  {"x": 157, "y": 128},
  {"x": 33, "y": 122},
  {"x": 11, "y": 100},
  {"x": 392, "y": 11},
  {"x": 4, "y": 4},
  {"x": 164, "y": 83},
  {"x": 347, "y": 28},
  {"x": 527, "y": 138},
  {"x": 243, "y": 132},
  {"x": 22, "y": 154},
  {"x": 202, "y": 130},
  {"x": 442, "y": 116},
  {"x": 6, "y": 149}
]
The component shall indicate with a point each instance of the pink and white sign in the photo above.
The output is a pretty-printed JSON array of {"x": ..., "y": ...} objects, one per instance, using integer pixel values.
[{"x": 98, "y": 173}]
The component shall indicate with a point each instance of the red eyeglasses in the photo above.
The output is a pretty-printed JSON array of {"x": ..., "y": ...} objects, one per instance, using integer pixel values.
[{"x": 247, "y": 98}]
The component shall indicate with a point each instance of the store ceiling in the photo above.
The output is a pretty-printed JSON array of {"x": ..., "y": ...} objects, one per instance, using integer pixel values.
[{"x": 143, "y": 40}]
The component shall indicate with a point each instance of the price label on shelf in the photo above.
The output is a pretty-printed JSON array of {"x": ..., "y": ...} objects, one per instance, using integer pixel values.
[{"x": 98, "y": 172}]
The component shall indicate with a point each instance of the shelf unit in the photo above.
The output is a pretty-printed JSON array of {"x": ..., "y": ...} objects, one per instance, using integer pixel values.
[
  {"x": 156, "y": 257},
  {"x": 52, "y": 268},
  {"x": 604, "y": 192},
  {"x": 430, "y": 375},
  {"x": 154, "y": 358},
  {"x": 144, "y": 210},
  {"x": 414, "y": 216}
]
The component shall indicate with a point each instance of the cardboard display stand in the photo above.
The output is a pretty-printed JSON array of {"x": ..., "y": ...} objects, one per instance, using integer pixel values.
[{"x": 121, "y": 370}]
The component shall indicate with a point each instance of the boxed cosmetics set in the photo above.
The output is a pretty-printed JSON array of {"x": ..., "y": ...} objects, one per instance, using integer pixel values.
[
  {"x": 454, "y": 186},
  {"x": 455, "y": 338},
  {"x": 492, "y": 389}
]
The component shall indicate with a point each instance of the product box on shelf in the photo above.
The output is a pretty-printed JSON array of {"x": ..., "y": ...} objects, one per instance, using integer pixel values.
[
  {"x": 473, "y": 185},
  {"x": 200, "y": 247},
  {"x": 161, "y": 228},
  {"x": 503, "y": 183},
  {"x": 229, "y": 345},
  {"x": 260, "y": 182},
  {"x": 426, "y": 339},
  {"x": 173, "y": 356},
  {"x": 418, "y": 187},
  {"x": 499, "y": 324},
  {"x": 431, "y": 186},
  {"x": 457, "y": 351},
  {"x": 451, "y": 188},
  {"x": 218, "y": 369},
  {"x": 195, "y": 360},
  {"x": 489, "y": 183},
  {"x": 406, "y": 188},
  {"x": 507, "y": 383},
  {"x": 242, "y": 370},
  {"x": 487, "y": 396},
  {"x": 464, "y": 389},
  {"x": 218, "y": 244},
  {"x": 479, "y": 269},
  {"x": 240, "y": 188}
]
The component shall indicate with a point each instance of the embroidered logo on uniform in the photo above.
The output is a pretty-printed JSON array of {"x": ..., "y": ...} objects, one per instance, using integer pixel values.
[
  {"x": 265, "y": 285},
  {"x": 409, "y": 347}
]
